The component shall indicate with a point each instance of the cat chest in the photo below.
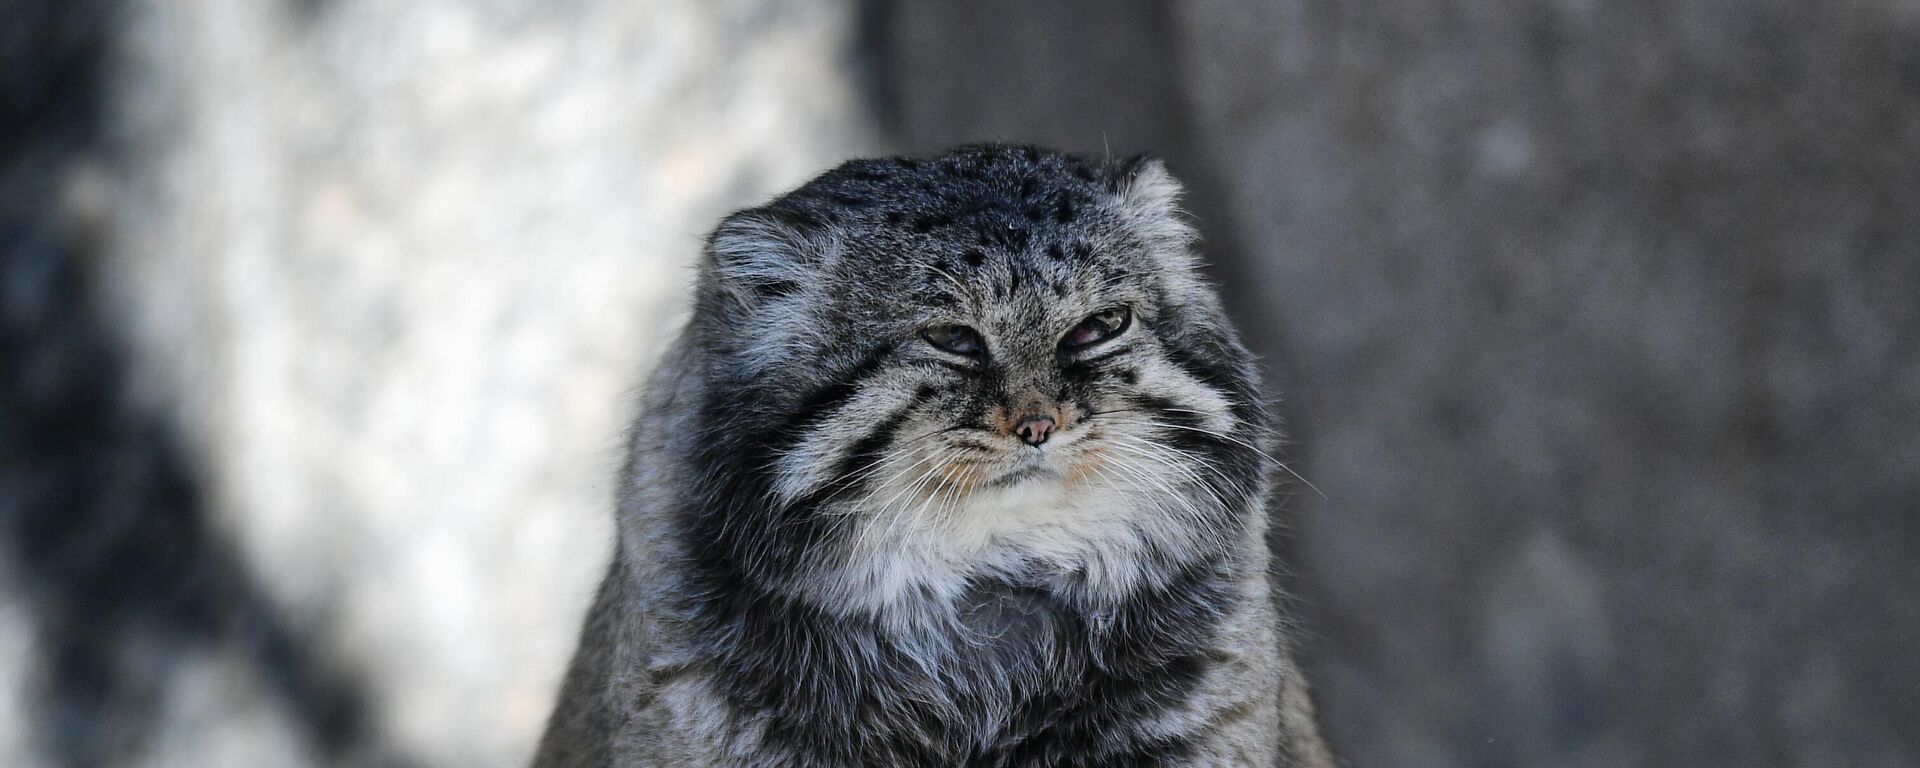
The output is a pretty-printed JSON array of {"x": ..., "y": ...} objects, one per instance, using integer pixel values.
[{"x": 1012, "y": 678}]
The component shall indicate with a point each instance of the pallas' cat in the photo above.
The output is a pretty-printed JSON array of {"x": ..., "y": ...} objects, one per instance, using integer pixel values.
[{"x": 957, "y": 463}]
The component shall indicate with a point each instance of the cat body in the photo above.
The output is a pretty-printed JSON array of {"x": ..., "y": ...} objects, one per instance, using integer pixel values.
[{"x": 957, "y": 463}]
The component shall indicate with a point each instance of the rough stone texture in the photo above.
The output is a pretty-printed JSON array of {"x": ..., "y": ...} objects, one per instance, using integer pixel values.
[
  {"x": 322, "y": 323},
  {"x": 1597, "y": 323}
]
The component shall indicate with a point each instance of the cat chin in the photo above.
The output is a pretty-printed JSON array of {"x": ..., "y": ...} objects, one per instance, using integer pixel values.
[
  {"x": 1030, "y": 492},
  {"x": 1062, "y": 512}
]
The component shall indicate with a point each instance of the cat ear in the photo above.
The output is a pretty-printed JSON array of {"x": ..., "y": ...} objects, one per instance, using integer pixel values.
[
  {"x": 762, "y": 253},
  {"x": 1150, "y": 203},
  {"x": 754, "y": 280}
]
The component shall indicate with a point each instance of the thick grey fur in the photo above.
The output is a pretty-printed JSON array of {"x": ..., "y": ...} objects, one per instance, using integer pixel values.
[{"x": 834, "y": 552}]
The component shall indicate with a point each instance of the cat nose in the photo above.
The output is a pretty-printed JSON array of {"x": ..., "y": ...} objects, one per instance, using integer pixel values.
[{"x": 1033, "y": 430}]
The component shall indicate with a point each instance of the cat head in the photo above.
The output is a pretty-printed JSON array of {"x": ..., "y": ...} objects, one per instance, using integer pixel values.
[{"x": 997, "y": 347}]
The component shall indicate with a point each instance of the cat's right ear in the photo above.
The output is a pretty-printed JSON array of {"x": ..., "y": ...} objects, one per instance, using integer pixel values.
[{"x": 761, "y": 255}]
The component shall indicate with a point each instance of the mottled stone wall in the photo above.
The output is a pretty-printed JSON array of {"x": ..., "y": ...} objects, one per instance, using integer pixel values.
[
  {"x": 321, "y": 339},
  {"x": 1597, "y": 323}
]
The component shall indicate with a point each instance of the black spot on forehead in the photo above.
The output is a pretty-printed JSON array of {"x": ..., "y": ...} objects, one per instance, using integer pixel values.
[
  {"x": 977, "y": 186},
  {"x": 968, "y": 168},
  {"x": 1028, "y": 186},
  {"x": 979, "y": 209},
  {"x": 926, "y": 224},
  {"x": 1005, "y": 237},
  {"x": 1064, "y": 210}
]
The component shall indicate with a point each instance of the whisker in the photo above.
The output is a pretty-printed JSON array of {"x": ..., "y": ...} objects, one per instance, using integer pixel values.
[
  {"x": 1145, "y": 482},
  {"x": 1146, "y": 450},
  {"x": 898, "y": 452},
  {"x": 902, "y": 456},
  {"x": 1128, "y": 442},
  {"x": 887, "y": 509},
  {"x": 1248, "y": 446}
]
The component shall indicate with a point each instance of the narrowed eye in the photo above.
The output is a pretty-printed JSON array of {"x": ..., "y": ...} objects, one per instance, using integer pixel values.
[
  {"x": 958, "y": 339},
  {"x": 1097, "y": 328}
]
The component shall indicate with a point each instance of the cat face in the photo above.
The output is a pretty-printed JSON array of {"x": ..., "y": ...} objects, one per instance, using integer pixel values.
[{"x": 999, "y": 356}]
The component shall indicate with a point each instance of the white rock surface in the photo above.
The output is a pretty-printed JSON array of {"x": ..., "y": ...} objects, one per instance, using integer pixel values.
[{"x": 399, "y": 265}]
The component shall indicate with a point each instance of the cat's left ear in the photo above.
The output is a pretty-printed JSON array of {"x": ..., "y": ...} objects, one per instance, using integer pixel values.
[
  {"x": 762, "y": 254},
  {"x": 1150, "y": 202},
  {"x": 754, "y": 279}
]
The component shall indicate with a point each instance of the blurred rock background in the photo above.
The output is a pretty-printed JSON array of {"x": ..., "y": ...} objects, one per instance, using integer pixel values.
[
  {"x": 322, "y": 321},
  {"x": 1597, "y": 323}
]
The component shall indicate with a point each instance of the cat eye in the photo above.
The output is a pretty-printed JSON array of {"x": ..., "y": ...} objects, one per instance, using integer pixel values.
[
  {"x": 958, "y": 339},
  {"x": 1097, "y": 328}
]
